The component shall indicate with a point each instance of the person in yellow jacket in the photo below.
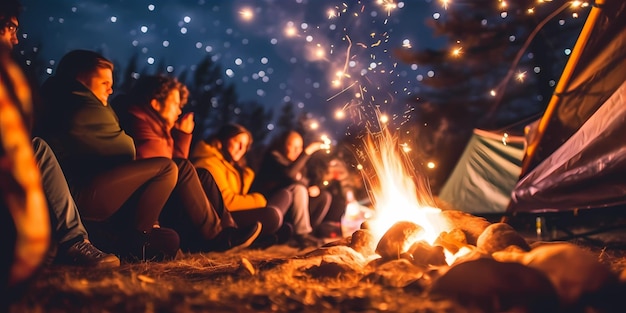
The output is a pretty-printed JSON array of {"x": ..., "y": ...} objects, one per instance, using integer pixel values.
[{"x": 223, "y": 155}]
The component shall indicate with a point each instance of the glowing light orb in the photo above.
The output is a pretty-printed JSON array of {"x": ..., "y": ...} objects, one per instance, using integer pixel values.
[{"x": 246, "y": 14}]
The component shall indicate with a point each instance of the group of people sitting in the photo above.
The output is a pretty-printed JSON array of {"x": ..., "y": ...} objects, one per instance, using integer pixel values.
[{"x": 123, "y": 177}]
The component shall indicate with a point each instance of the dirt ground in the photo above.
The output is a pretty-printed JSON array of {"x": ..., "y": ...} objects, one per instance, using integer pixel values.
[{"x": 280, "y": 278}]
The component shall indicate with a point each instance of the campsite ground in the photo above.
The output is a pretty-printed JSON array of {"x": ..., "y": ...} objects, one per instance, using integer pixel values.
[{"x": 276, "y": 279}]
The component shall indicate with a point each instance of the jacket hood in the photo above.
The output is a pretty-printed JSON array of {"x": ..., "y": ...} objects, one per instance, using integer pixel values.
[{"x": 203, "y": 150}]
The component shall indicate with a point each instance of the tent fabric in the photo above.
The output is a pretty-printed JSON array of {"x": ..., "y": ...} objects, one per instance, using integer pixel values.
[
  {"x": 486, "y": 173},
  {"x": 600, "y": 70},
  {"x": 581, "y": 159},
  {"x": 587, "y": 171}
]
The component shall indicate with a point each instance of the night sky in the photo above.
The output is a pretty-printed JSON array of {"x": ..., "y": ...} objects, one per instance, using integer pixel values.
[{"x": 273, "y": 51}]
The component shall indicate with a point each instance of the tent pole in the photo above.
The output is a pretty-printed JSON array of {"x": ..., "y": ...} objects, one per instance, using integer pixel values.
[{"x": 562, "y": 84}]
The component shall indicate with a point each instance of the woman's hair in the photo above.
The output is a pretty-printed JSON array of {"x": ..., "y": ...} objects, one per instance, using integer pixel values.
[
  {"x": 220, "y": 139},
  {"x": 77, "y": 63},
  {"x": 280, "y": 141},
  {"x": 157, "y": 87}
]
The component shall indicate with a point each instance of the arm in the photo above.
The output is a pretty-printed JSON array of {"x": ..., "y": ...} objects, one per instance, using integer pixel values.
[
  {"x": 182, "y": 143},
  {"x": 235, "y": 196}
]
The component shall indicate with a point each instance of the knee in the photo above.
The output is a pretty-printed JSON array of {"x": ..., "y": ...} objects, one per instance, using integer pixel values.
[
  {"x": 185, "y": 168},
  {"x": 272, "y": 221}
]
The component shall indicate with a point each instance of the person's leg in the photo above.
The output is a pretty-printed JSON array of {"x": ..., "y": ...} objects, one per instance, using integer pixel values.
[
  {"x": 300, "y": 214},
  {"x": 149, "y": 181},
  {"x": 69, "y": 235},
  {"x": 270, "y": 217},
  {"x": 67, "y": 228},
  {"x": 318, "y": 206},
  {"x": 197, "y": 221},
  {"x": 189, "y": 212},
  {"x": 214, "y": 195}
]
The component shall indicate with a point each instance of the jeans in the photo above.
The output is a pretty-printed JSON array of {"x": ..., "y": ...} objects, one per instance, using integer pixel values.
[{"x": 67, "y": 227}]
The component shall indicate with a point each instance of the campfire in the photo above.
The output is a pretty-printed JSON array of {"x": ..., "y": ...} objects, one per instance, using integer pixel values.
[
  {"x": 411, "y": 243},
  {"x": 406, "y": 214}
]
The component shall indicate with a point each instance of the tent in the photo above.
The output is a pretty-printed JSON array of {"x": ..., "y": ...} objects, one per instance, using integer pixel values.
[
  {"x": 485, "y": 174},
  {"x": 576, "y": 157}
]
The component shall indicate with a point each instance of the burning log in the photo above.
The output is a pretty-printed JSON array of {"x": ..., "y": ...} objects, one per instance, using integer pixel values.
[
  {"x": 499, "y": 236},
  {"x": 471, "y": 225},
  {"x": 493, "y": 286},
  {"x": 398, "y": 239}
]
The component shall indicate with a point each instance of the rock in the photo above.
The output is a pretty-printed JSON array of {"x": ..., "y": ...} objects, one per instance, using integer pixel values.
[
  {"x": 425, "y": 254},
  {"x": 345, "y": 241},
  {"x": 492, "y": 286},
  {"x": 398, "y": 239},
  {"x": 499, "y": 236},
  {"x": 576, "y": 273},
  {"x": 396, "y": 273},
  {"x": 452, "y": 240},
  {"x": 329, "y": 270},
  {"x": 471, "y": 225},
  {"x": 363, "y": 242}
]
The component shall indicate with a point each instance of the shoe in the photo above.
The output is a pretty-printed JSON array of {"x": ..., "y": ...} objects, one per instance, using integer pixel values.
[
  {"x": 83, "y": 253},
  {"x": 303, "y": 241},
  {"x": 231, "y": 238},
  {"x": 283, "y": 234},
  {"x": 263, "y": 242},
  {"x": 162, "y": 243}
]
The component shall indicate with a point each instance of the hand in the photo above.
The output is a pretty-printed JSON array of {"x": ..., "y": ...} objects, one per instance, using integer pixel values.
[
  {"x": 185, "y": 124},
  {"x": 314, "y": 191},
  {"x": 313, "y": 147}
]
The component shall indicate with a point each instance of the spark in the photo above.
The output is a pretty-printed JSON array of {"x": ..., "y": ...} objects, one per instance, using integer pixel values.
[
  {"x": 521, "y": 76},
  {"x": 331, "y": 13},
  {"x": 445, "y": 4},
  {"x": 290, "y": 30},
  {"x": 246, "y": 14},
  {"x": 457, "y": 52},
  {"x": 340, "y": 114}
]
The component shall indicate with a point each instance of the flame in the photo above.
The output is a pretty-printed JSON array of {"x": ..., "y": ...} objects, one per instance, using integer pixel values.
[{"x": 399, "y": 193}]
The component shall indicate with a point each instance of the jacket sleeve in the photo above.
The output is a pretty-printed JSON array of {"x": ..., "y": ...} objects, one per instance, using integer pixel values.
[
  {"x": 149, "y": 144},
  {"x": 182, "y": 143},
  {"x": 96, "y": 130}
]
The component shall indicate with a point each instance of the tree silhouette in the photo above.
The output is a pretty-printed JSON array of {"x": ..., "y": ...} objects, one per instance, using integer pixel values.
[{"x": 473, "y": 81}]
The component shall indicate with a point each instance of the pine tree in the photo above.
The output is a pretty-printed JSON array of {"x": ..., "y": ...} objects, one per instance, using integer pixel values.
[{"x": 473, "y": 83}]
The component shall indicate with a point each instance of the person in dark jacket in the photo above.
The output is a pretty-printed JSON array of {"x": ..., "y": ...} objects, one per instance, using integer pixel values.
[
  {"x": 70, "y": 242},
  {"x": 150, "y": 114},
  {"x": 119, "y": 198},
  {"x": 283, "y": 168}
]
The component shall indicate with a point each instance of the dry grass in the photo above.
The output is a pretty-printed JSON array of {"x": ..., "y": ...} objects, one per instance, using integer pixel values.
[{"x": 276, "y": 279}]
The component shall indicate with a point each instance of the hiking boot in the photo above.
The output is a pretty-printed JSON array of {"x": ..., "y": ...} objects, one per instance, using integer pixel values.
[
  {"x": 303, "y": 241},
  {"x": 83, "y": 253},
  {"x": 231, "y": 238}
]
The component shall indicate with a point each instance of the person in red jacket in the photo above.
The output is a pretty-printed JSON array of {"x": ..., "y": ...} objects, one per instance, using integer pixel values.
[{"x": 150, "y": 113}]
